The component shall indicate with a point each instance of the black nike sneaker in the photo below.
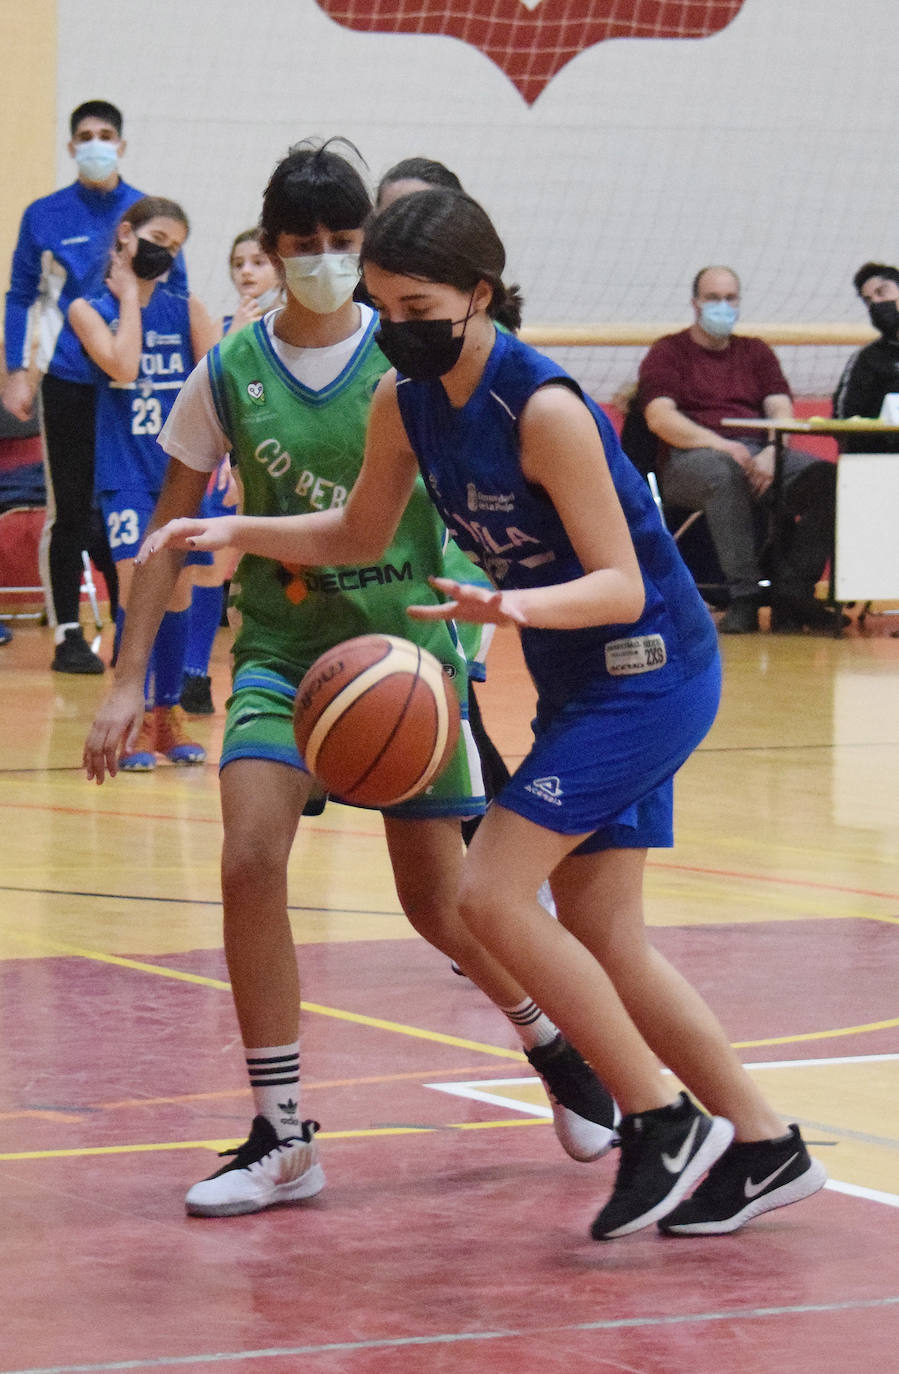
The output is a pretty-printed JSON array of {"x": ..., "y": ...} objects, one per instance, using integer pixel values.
[
  {"x": 750, "y": 1178},
  {"x": 663, "y": 1154}
]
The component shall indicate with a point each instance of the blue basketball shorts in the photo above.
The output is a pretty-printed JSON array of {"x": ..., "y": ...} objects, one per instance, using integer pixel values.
[
  {"x": 127, "y": 515},
  {"x": 259, "y": 725},
  {"x": 603, "y": 765}
]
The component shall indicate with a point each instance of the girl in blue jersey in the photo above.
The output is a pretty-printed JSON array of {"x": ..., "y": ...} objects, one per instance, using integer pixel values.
[
  {"x": 144, "y": 341},
  {"x": 289, "y": 396},
  {"x": 529, "y": 476}
]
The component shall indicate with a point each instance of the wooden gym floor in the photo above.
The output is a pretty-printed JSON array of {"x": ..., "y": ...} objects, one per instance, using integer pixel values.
[{"x": 452, "y": 1236}]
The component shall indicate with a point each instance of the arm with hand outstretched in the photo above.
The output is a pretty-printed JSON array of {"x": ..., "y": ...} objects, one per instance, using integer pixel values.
[
  {"x": 119, "y": 718},
  {"x": 471, "y": 603}
]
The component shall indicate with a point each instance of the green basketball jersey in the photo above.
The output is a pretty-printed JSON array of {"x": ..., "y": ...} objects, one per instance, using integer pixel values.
[{"x": 299, "y": 451}]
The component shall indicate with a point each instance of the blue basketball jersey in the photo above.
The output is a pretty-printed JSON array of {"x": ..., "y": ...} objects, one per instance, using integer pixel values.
[
  {"x": 469, "y": 457},
  {"x": 130, "y": 415}
]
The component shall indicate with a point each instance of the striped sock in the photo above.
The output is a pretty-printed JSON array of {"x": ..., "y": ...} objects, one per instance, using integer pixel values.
[
  {"x": 275, "y": 1079},
  {"x": 532, "y": 1024}
]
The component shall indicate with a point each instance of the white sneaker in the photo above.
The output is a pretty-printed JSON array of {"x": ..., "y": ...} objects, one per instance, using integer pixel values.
[
  {"x": 585, "y": 1115},
  {"x": 263, "y": 1172}
]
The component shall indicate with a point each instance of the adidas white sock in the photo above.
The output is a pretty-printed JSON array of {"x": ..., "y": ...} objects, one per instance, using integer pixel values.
[
  {"x": 532, "y": 1024},
  {"x": 274, "y": 1072}
]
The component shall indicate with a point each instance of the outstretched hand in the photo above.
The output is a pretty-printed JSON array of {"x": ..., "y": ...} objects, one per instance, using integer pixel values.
[
  {"x": 468, "y": 602},
  {"x": 214, "y": 532},
  {"x": 114, "y": 731}
]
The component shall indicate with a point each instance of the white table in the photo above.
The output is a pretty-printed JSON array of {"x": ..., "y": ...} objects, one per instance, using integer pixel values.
[{"x": 865, "y": 562}]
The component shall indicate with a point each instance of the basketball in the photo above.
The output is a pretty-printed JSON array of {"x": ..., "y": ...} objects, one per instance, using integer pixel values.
[{"x": 376, "y": 720}]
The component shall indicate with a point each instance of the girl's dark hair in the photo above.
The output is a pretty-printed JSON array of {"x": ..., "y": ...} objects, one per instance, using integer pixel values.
[
  {"x": 313, "y": 185},
  {"x": 148, "y": 207},
  {"x": 443, "y": 236},
  {"x": 419, "y": 169}
]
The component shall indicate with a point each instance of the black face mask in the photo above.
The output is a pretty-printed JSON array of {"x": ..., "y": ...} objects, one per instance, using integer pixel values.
[
  {"x": 151, "y": 260},
  {"x": 422, "y": 350},
  {"x": 885, "y": 317}
]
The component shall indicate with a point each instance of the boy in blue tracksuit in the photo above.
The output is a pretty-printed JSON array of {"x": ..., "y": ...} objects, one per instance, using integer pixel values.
[{"x": 60, "y": 255}]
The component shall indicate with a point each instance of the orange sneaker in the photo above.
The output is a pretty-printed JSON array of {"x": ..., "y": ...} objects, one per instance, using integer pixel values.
[
  {"x": 172, "y": 739},
  {"x": 142, "y": 758}
]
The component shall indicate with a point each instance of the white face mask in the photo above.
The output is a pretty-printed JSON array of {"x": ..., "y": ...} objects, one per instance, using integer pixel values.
[
  {"x": 323, "y": 282},
  {"x": 96, "y": 160},
  {"x": 269, "y": 298}
]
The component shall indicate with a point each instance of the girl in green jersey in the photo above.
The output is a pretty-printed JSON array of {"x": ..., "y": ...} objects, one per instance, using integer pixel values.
[{"x": 288, "y": 396}]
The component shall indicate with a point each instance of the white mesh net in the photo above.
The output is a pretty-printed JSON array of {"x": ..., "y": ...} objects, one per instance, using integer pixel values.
[{"x": 763, "y": 144}]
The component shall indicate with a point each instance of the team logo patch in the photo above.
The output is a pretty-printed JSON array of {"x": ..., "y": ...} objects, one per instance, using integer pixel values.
[
  {"x": 532, "y": 40},
  {"x": 256, "y": 393},
  {"x": 547, "y": 789}
]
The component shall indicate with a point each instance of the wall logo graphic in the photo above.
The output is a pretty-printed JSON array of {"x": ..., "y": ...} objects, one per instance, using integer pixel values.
[{"x": 531, "y": 40}]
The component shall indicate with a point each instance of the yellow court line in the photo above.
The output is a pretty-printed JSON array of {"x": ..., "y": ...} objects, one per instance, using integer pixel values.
[
  {"x": 417, "y": 1032},
  {"x": 220, "y": 1145},
  {"x": 817, "y": 1035}
]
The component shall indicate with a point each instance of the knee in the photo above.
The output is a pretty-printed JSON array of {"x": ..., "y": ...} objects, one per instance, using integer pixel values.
[
  {"x": 433, "y": 915},
  {"x": 250, "y": 868},
  {"x": 696, "y": 477},
  {"x": 479, "y": 909}
]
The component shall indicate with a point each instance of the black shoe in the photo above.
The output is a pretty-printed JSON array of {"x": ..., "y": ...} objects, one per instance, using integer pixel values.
[
  {"x": 663, "y": 1153},
  {"x": 740, "y": 618},
  {"x": 747, "y": 1180},
  {"x": 793, "y": 615},
  {"x": 74, "y": 655},
  {"x": 584, "y": 1113},
  {"x": 196, "y": 695},
  {"x": 315, "y": 802}
]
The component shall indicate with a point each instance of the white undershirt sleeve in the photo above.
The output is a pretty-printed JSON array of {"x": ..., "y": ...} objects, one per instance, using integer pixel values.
[{"x": 192, "y": 433}]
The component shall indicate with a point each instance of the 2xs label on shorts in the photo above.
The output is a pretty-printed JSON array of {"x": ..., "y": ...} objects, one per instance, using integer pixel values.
[{"x": 643, "y": 654}]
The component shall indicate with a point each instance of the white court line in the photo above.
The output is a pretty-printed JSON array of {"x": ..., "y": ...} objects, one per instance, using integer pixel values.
[
  {"x": 457, "y": 1337},
  {"x": 474, "y": 1091}
]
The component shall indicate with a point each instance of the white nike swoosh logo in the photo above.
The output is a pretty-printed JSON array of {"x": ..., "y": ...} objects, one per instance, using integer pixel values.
[
  {"x": 751, "y": 1189},
  {"x": 674, "y": 1163}
]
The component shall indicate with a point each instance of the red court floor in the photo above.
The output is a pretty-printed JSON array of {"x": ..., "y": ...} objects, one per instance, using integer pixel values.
[{"x": 452, "y": 1234}]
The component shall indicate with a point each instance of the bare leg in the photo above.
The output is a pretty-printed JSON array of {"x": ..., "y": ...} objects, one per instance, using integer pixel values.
[
  {"x": 261, "y": 807},
  {"x": 600, "y": 900},
  {"x": 507, "y": 861},
  {"x": 427, "y": 859}
]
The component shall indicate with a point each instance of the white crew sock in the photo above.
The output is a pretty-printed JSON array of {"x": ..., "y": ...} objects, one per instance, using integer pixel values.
[
  {"x": 532, "y": 1024},
  {"x": 274, "y": 1072}
]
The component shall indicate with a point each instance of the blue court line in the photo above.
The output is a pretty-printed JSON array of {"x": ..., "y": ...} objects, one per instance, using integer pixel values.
[{"x": 455, "y": 1338}]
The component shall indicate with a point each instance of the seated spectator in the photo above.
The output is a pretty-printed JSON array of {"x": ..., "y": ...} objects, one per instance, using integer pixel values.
[
  {"x": 690, "y": 382},
  {"x": 873, "y": 372}
]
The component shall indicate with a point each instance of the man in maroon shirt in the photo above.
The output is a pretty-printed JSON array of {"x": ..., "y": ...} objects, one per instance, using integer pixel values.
[{"x": 689, "y": 382}]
